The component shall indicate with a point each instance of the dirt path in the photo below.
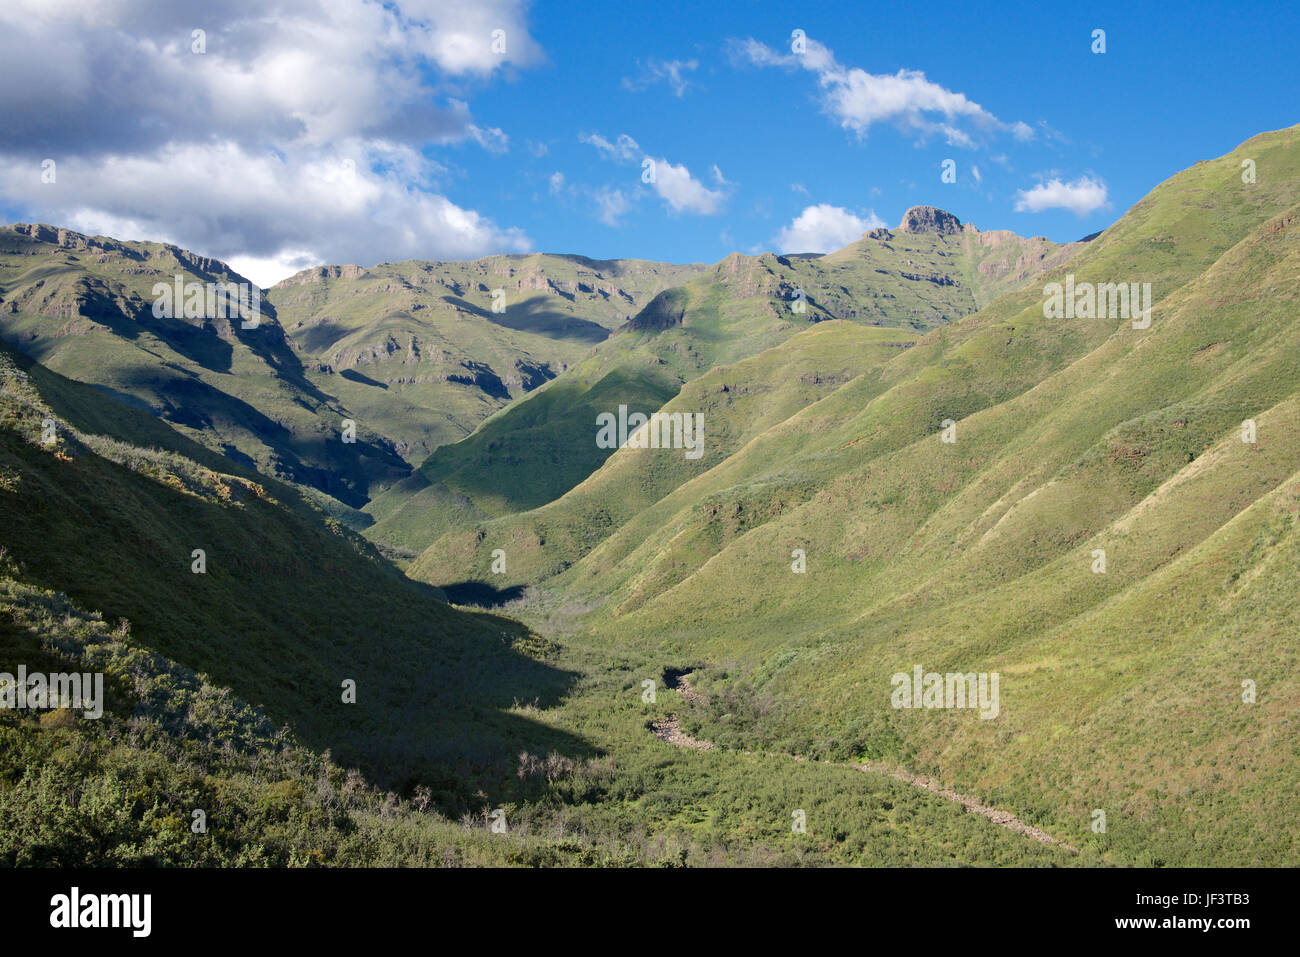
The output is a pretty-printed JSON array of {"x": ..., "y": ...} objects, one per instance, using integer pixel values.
[
  {"x": 670, "y": 729},
  {"x": 1004, "y": 818}
]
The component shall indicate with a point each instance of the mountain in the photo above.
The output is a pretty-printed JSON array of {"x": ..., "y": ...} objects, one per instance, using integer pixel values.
[
  {"x": 349, "y": 377},
  {"x": 927, "y": 464},
  {"x": 1123, "y": 689},
  {"x": 227, "y": 737},
  {"x": 417, "y": 350},
  {"x": 85, "y": 307},
  {"x": 929, "y": 272},
  {"x": 410, "y": 354}
]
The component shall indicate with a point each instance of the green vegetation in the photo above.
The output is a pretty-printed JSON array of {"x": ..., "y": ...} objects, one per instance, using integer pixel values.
[
  {"x": 539, "y": 448},
  {"x": 827, "y": 539},
  {"x": 1122, "y": 691},
  {"x": 416, "y": 351},
  {"x": 457, "y": 713}
]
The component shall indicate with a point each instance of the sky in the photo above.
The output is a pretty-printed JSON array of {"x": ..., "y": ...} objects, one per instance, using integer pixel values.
[{"x": 282, "y": 134}]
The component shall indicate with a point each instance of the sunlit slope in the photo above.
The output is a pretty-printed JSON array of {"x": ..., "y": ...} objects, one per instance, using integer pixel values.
[
  {"x": 84, "y": 307},
  {"x": 1008, "y": 350},
  {"x": 424, "y": 351},
  {"x": 1071, "y": 437},
  {"x": 738, "y": 403},
  {"x": 928, "y": 272},
  {"x": 456, "y": 713}
]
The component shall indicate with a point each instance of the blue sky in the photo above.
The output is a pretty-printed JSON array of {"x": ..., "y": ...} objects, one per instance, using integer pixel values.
[{"x": 362, "y": 131}]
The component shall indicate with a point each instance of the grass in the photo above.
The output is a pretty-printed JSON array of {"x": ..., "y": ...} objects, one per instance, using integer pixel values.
[{"x": 1121, "y": 691}]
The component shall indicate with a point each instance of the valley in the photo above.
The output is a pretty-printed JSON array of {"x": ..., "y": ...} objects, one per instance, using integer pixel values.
[{"x": 895, "y": 455}]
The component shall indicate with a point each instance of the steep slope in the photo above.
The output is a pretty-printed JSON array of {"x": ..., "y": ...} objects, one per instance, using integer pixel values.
[
  {"x": 84, "y": 306},
  {"x": 738, "y": 404},
  {"x": 402, "y": 357},
  {"x": 1122, "y": 690},
  {"x": 282, "y": 609},
  {"x": 456, "y": 712},
  {"x": 418, "y": 350},
  {"x": 915, "y": 278}
]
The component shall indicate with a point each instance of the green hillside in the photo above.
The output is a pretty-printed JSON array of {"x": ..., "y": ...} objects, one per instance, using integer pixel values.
[
  {"x": 929, "y": 272},
  {"x": 1122, "y": 691},
  {"x": 416, "y": 350},
  {"x": 224, "y": 694},
  {"x": 919, "y": 467}
]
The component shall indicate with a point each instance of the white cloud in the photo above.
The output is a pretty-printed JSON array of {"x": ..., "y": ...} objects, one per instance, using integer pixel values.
[
  {"x": 239, "y": 151},
  {"x": 266, "y": 271},
  {"x": 670, "y": 71},
  {"x": 461, "y": 35},
  {"x": 557, "y": 182},
  {"x": 491, "y": 139},
  {"x": 622, "y": 149},
  {"x": 858, "y": 99},
  {"x": 824, "y": 228},
  {"x": 672, "y": 183},
  {"x": 263, "y": 209},
  {"x": 611, "y": 205},
  {"x": 683, "y": 193},
  {"x": 1080, "y": 197}
]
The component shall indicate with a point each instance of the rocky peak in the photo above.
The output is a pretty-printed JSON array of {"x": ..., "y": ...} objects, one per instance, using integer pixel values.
[
  {"x": 321, "y": 273},
  {"x": 928, "y": 219}
]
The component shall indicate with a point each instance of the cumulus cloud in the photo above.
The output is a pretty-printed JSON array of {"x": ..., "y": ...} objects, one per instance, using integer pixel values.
[
  {"x": 824, "y": 228},
  {"x": 858, "y": 99},
  {"x": 672, "y": 72},
  {"x": 1080, "y": 197},
  {"x": 270, "y": 212},
  {"x": 673, "y": 183},
  {"x": 234, "y": 143},
  {"x": 683, "y": 193}
]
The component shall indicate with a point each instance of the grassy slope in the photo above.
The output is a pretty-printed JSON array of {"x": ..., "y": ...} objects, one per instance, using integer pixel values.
[
  {"x": 739, "y": 403},
  {"x": 1121, "y": 691},
  {"x": 82, "y": 306},
  {"x": 286, "y": 610},
  {"x": 415, "y": 350},
  {"x": 909, "y": 280},
  {"x": 458, "y": 712}
]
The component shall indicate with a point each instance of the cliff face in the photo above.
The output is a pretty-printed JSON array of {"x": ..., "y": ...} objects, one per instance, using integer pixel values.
[{"x": 929, "y": 219}]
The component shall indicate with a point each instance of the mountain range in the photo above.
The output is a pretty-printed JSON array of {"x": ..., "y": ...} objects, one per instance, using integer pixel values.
[{"x": 394, "y": 480}]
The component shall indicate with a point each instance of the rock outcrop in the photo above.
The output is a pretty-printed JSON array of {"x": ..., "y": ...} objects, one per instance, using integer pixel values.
[{"x": 928, "y": 219}]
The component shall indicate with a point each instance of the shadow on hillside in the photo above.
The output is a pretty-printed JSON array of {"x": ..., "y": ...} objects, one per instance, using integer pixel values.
[
  {"x": 352, "y": 375},
  {"x": 481, "y": 594},
  {"x": 535, "y": 315},
  {"x": 342, "y": 470},
  {"x": 284, "y": 614}
]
